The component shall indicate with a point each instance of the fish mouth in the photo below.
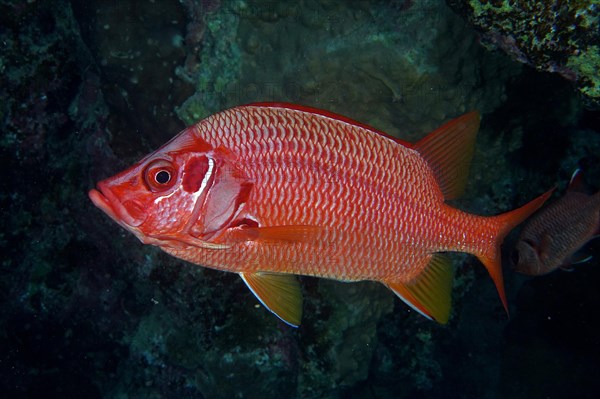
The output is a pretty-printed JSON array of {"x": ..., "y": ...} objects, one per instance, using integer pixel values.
[{"x": 105, "y": 199}]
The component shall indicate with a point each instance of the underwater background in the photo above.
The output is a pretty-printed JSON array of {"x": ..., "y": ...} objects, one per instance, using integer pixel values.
[{"x": 88, "y": 88}]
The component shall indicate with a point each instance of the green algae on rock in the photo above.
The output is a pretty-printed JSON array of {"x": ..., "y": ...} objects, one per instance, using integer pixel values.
[{"x": 559, "y": 36}]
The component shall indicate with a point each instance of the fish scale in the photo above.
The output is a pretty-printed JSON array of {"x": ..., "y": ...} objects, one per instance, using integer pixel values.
[
  {"x": 286, "y": 190},
  {"x": 373, "y": 223}
]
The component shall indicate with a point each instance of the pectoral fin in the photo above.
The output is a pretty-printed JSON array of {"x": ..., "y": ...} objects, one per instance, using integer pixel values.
[
  {"x": 430, "y": 292},
  {"x": 578, "y": 258},
  {"x": 278, "y": 233},
  {"x": 280, "y": 293}
]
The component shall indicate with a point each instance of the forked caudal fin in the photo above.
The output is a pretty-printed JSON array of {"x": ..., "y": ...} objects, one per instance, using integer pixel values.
[{"x": 506, "y": 222}]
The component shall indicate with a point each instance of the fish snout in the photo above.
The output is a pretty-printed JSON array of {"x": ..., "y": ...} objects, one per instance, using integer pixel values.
[{"x": 127, "y": 214}]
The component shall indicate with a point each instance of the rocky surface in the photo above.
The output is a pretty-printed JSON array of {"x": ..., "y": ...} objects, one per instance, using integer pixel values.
[{"x": 554, "y": 36}]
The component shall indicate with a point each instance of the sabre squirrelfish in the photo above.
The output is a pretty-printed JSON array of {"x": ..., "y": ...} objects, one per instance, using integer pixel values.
[
  {"x": 270, "y": 191},
  {"x": 554, "y": 235}
]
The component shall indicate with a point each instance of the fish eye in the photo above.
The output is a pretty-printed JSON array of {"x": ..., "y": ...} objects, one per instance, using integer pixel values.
[
  {"x": 162, "y": 177},
  {"x": 159, "y": 174}
]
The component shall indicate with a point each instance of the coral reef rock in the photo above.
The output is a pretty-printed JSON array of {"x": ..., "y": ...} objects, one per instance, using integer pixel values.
[{"x": 557, "y": 36}]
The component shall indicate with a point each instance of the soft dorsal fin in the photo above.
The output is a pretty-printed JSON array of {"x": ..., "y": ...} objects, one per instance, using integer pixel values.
[
  {"x": 448, "y": 150},
  {"x": 278, "y": 292},
  {"x": 430, "y": 292}
]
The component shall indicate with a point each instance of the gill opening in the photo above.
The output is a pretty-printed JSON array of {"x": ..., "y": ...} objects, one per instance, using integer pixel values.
[{"x": 199, "y": 200}]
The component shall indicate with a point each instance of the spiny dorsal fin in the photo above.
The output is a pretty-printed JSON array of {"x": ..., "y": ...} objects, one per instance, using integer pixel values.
[
  {"x": 448, "y": 150},
  {"x": 278, "y": 292},
  {"x": 430, "y": 292}
]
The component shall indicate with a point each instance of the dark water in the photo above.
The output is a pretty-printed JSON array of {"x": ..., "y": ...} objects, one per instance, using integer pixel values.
[{"x": 88, "y": 88}]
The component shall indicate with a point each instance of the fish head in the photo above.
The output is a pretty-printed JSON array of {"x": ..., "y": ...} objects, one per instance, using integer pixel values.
[
  {"x": 184, "y": 194},
  {"x": 526, "y": 258}
]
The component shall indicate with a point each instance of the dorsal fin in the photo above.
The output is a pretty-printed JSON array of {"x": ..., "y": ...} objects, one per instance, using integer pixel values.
[
  {"x": 328, "y": 114},
  {"x": 448, "y": 150}
]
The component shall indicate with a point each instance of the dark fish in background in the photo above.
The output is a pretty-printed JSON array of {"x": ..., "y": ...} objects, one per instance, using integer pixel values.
[{"x": 554, "y": 235}]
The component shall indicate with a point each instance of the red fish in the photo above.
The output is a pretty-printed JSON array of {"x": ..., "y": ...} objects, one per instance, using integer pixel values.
[
  {"x": 270, "y": 191},
  {"x": 553, "y": 236}
]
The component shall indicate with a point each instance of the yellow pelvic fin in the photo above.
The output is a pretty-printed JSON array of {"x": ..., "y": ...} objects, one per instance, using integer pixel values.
[
  {"x": 430, "y": 292},
  {"x": 448, "y": 151},
  {"x": 278, "y": 292}
]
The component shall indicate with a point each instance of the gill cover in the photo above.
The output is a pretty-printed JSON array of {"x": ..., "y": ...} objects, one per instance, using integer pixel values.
[{"x": 222, "y": 188}]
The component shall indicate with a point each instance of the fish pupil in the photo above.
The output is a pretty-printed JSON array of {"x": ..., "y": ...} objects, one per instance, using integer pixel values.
[{"x": 163, "y": 177}]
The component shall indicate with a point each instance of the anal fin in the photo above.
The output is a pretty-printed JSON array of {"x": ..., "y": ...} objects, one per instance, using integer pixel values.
[
  {"x": 278, "y": 292},
  {"x": 430, "y": 292}
]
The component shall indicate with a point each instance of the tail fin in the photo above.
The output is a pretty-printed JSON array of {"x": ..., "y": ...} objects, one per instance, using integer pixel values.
[{"x": 506, "y": 222}]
